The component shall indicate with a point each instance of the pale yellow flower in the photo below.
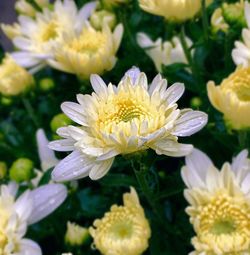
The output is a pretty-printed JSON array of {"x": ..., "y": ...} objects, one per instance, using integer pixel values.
[
  {"x": 14, "y": 79},
  {"x": 39, "y": 35},
  {"x": 121, "y": 120},
  {"x": 90, "y": 51},
  {"x": 175, "y": 10},
  {"x": 75, "y": 234},
  {"x": 123, "y": 230},
  {"x": 232, "y": 98},
  {"x": 219, "y": 204}
]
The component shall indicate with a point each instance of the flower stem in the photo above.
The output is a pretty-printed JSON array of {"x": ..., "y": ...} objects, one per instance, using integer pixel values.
[
  {"x": 205, "y": 20},
  {"x": 242, "y": 137},
  {"x": 141, "y": 173},
  {"x": 30, "y": 111}
]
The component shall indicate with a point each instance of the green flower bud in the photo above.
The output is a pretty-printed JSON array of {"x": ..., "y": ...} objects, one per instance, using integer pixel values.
[
  {"x": 46, "y": 84},
  {"x": 6, "y": 101},
  {"x": 76, "y": 235},
  {"x": 3, "y": 169},
  {"x": 59, "y": 120},
  {"x": 196, "y": 102},
  {"x": 234, "y": 14},
  {"x": 21, "y": 170},
  {"x": 98, "y": 18}
]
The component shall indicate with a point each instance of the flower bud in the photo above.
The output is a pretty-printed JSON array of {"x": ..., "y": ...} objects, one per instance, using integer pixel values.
[
  {"x": 218, "y": 22},
  {"x": 6, "y": 101},
  {"x": 3, "y": 169},
  {"x": 59, "y": 120},
  {"x": 46, "y": 84},
  {"x": 25, "y": 8},
  {"x": 21, "y": 170},
  {"x": 234, "y": 14},
  {"x": 98, "y": 18},
  {"x": 76, "y": 235},
  {"x": 196, "y": 102}
]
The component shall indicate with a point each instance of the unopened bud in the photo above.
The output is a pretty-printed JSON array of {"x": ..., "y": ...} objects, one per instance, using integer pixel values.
[
  {"x": 60, "y": 120},
  {"x": 46, "y": 84},
  {"x": 98, "y": 18},
  {"x": 21, "y": 170},
  {"x": 196, "y": 102},
  {"x": 76, "y": 235}
]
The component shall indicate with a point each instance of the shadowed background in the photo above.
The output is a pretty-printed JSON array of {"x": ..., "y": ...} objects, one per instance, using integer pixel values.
[{"x": 8, "y": 16}]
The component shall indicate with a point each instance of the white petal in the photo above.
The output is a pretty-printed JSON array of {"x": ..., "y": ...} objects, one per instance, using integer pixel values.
[
  {"x": 83, "y": 14},
  {"x": 174, "y": 93},
  {"x": 190, "y": 123},
  {"x": 198, "y": 164},
  {"x": 29, "y": 247},
  {"x": 171, "y": 148},
  {"x": 239, "y": 161},
  {"x": 100, "y": 169},
  {"x": 45, "y": 200},
  {"x": 108, "y": 155},
  {"x": 74, "y": 166},
  {"x": 98, "y": 85},
  {"x": 247, "y": 13},
  {"x": 133, "y": 73},
  {"x": 62, "y": 145},
  {"x": 75, "y": 112},
  {"x": 47, "y": 156},
  {"x": 245, "y": 186},
  {"x": 24, "y": 206}
]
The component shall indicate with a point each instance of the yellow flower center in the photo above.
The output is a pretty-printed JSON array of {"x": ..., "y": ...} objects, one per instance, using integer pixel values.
[
  {"x": 239, "y": 84},
  {"x": 4, "y": 217},
  {"x": 89, "y": 42},
  {"x": 124, "y": 110},
  {"x": 49, "y": 31},
  {"x": 225, "y": 220},
  {"x": 122, "y": 230}
]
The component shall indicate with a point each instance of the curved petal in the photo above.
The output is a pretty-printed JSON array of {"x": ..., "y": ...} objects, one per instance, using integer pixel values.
[
  {"x": 190, "y": 123},
  {"x": 74, "y": 166},
  {"x": 100, "y": 169},
  {"x": 29, "y": 247},
  {"x": 45, "y": 200}
]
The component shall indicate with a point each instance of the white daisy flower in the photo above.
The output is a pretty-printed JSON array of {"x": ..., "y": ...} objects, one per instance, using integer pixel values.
[
  {"x": 121, "y": 120},
  {"x": 29, "y": 208}
]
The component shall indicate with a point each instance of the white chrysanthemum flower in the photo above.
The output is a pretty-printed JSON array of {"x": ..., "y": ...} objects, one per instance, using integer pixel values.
[
  {"x": 163, "y": 53},
  {"x": 241, "y": 52},
  {"x": 87, "y": 52},
  {"x": 121, "y": 120},
  {"x": 39, "y": 35},
  {"x": 29, "y": 208},
  {"x": 219, "y": 204}
]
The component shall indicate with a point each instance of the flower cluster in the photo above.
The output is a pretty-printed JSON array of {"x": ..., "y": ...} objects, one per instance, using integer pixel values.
[{"x": 128, "y": 64}]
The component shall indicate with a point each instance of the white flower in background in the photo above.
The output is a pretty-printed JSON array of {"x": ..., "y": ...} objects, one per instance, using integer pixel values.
[
  {"x": 219, "y": 204},
  {"x": 11, "y": 31},
  {"x": 39, "y": 35},
  {"x": 123, "y": 119},
  {"x": 25, "y": 8},
  {"x": 47, "y": 156},
  {"x": 163, "y": 53},
  {"x": 87, "y": 52},
  {"x": 241, "y": 52},
  {"x": 29, "y": 208}
]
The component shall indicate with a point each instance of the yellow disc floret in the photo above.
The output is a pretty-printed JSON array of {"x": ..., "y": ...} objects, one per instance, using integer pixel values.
[{"x": 123, "y": 230}]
